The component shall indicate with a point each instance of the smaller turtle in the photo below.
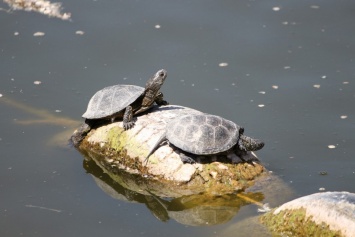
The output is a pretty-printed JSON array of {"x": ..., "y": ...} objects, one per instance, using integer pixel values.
[
  {"x": 205, "y": 134},
  {"x": 121, "y": 101}
]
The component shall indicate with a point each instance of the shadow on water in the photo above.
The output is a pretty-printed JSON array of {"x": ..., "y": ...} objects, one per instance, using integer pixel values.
[{"x": 193, "y": 210}]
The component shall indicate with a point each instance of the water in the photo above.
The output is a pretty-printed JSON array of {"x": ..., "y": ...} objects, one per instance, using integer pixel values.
[{"x": 304, "y": 49}]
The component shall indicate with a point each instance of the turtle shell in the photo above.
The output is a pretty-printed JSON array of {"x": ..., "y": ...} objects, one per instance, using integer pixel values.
[
  {"x": 111, "y": 100},
  {"x": 203, "y": 134}
]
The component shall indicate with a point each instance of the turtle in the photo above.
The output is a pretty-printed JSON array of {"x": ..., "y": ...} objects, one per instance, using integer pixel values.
[
  {"x": 121, "y": 101},
  {"x": 206, "y": 134}
]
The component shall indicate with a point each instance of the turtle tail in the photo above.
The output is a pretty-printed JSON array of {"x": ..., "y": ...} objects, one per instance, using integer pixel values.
[{"x": 250, "y": 144}]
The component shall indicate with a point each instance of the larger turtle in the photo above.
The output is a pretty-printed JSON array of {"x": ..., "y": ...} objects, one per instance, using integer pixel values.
[
  {"x": 121, "y": 101},
  {"x": 206, "y": 134}
]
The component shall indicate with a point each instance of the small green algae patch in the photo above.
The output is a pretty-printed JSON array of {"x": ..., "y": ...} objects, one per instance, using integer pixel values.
[
  {"x": 117, "y": 139},
  {"x": 295, "y": 223}
]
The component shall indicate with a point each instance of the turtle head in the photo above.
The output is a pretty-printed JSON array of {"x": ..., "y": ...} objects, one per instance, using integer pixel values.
[
  {"x": 249, "y": 144},
  {"x": 156, "y": 81}
]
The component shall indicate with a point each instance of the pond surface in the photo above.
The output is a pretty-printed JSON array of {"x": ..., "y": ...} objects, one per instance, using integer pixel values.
[{"x": 282, "y": 69}]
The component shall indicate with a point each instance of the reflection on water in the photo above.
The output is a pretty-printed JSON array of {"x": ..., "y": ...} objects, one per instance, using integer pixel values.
[{"x": 194, "y": 210}]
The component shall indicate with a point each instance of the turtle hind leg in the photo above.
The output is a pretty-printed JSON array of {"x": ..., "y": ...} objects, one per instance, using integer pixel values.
[
  {"x": 128, "y": 121},
  {"x": 80, "y": 133},
  {"x": 250, "y": 144},
  {"x": 186, "y": 159}
]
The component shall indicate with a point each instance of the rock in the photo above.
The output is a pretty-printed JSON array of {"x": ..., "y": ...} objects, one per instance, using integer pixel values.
[
  {"x": 320, "y": 214},
  {"x": 113, "y": 148}
]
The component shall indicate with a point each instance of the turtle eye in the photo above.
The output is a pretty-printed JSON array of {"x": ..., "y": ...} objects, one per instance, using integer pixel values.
[{"x": 161, "y": 74}]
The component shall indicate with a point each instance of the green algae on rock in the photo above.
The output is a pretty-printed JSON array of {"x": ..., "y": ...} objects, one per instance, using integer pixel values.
[
  {"x": 320, "y": 214},
  {"x": 114, "y": 148}
]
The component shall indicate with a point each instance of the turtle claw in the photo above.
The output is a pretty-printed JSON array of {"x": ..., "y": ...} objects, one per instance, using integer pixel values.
[{"x": 128, "y": 125}]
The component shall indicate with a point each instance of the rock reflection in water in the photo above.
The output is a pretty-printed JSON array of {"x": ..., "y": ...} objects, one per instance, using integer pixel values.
[{"x": 193, "y": 210}]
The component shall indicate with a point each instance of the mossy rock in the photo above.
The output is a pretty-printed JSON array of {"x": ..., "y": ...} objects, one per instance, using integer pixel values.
[
  {"x": 114, "y": 148},
  {"x": 321, "y": 214}
]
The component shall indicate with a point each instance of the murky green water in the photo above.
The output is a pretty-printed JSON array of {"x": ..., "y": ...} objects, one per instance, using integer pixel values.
[{"x": 289, "y": 80}]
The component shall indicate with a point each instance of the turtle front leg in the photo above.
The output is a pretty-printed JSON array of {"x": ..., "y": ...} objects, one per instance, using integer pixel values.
[
  {"x": 128, "y": 121},
  {"x": 159, "y": 99}
]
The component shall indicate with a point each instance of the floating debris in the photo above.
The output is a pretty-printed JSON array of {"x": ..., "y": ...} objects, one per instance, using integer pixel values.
[
  {"x": 0, "y": 95},
  {"x": 331, "y": 146},
  {"x": 324, "y": 76},
  {"x": 261, "y": 105},
  {"x": 342, "y": 116},
  {"x": 345, "y": 82},
  {"x": 314, "y": 7},
  {"x": 157, "y": 26},
  {"x": 223, "y": 64},
  {"x": 262, "y": 92},
  {"x": 41, "y": 6},
  {"x": 321, "y": 189},
  {"x": 37, "y": 34},
  {"x": 316, "y": 86},
  {"x": 323, "y": 173},
  {"x": 276, "y": 9},
  {"x": 58, "y": 111},
  {"x": 16, "y": 33},
  {"x": 79, "y": 32},
  {"x": 275, "y": 87},
  {"x": 37, "y": 82},
  {"x": 264, "y": 208},
  {"x": 287, "y": 67}
]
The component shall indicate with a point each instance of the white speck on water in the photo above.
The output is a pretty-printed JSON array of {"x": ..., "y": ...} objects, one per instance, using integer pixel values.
[
  {"x": 39, "y": 34},
  {"x": 261, "y": 105},
  {"x": 157, "y": 26},
  {"x": 233, "y": 84},
  {"x": 331, "y": 146},
  {"x": 324, "y": 76},
  {"x": 192, "y": 84},
  {"x": 275, "y": 87},
  {"x": 37, "y": 82},
  {"x": 16, "y": 33},
  {"x": 262, "y": 92},
  {"x": 223, "y": 64},
  {"x": 345, "y": 82},
  {"x": 79, "y": 32},
  {"x": 343, "y": 116},
  {"x": 276, "y": 9},
  {"x": 321, "y": 189},
  {"x": 0, "y": 95},
  {"x": 314, "y": 7},
  {"x": 247, "y": 74},
  {"x": 182, "y": 80},
  {"x": 316, "y": 86},
  {"x": 58, "y": 111},
  {"x": 285, "y": 23},
  {"x": 287, "y": 67},
  {"x": 216, "y": 89},
  {"x": 12, "y": 79}
]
